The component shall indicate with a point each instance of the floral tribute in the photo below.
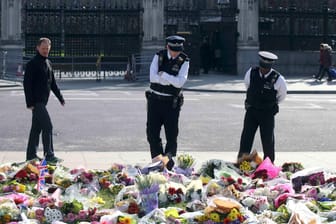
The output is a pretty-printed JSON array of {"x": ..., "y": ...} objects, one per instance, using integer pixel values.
[{"x": 251, "y": 190}]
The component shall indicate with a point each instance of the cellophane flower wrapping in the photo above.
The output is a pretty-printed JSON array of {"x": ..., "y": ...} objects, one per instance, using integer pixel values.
[
  {"x": 148, "y": 188},
  {"x": 185, "y": 164},
  {"x": 270, "y": 170}
]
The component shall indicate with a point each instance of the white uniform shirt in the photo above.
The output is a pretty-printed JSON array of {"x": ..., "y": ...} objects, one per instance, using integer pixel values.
[
  {"x": 165, "y": 78},
  {"x": 280, "y": 85}
]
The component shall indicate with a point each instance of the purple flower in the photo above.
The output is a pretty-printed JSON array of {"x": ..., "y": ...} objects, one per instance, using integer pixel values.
[
  {"x": 70, "y": 217},
  {"x": 82, "y": 215},
  {"x": 94, "y": 219},
  {"x": 152, "y": 189}
]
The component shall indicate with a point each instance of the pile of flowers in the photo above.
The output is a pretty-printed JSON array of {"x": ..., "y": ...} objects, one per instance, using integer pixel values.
[{"x": 249, "y": 191}]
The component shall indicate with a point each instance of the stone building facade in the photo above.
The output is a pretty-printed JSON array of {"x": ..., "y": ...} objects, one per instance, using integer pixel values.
[{"x": 235, "y": 29}]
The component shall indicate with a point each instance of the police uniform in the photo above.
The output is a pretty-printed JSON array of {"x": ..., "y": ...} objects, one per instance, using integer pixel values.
[
  {"x": 164, "y": 97},
  {"x": 266, "y": 88}
]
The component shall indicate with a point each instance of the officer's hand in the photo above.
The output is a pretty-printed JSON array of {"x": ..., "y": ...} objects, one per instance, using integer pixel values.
[
  {"x": 31, "y": 108},
  {"x": 160, "y": 73}
]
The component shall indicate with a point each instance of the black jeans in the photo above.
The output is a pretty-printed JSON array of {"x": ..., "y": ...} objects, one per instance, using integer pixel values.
[
  {"x": 264, "y": 119},
  {"x": 40, "y": 123},
  {"x": 162, "y": 112},
  {"x": 322, "y": 72}
]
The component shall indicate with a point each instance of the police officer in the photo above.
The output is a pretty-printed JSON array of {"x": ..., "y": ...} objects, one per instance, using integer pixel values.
[
  {"x": 168, "y": 74},
  {"x": 266, "y": 88},
  {"x": 38, "y": 81}
]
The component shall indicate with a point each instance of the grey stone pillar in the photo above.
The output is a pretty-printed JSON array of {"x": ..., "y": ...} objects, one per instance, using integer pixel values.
[
  {"x": 153, "y": 39},
  {"x": 248, "y": 40},
  {"x": 11, "y": 20},
  {"x": 153, "y": 20},
  {"x": 11, "y": 43}
]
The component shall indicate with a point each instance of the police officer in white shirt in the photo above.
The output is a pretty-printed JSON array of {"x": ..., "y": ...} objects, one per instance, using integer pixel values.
[
  {"x": 266, "y": 88},
  {"x": 168, "y": 74}
]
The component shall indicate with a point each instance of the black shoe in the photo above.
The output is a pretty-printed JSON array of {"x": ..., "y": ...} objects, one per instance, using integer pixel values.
[
  {"x": 170, "y": 164},
  {"x": 329, "y": 79},
  {"x": 54, "y": 160}
]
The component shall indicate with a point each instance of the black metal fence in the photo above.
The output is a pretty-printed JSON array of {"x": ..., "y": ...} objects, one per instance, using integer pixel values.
[
  {"x": 296, "y": 24},
  {"x": 182, "y": 17},
  {"x": 84, "y": 27}
]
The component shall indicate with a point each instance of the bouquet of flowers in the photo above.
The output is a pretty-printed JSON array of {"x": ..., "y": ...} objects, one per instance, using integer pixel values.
[
  {"x": 8, "y": 211},
  {"x": 185, "y": 164},
  {"x": 207, "y": 169},
  {"x": 292, "y": 167},
  {"x": 149, "y": 190},
  {"x": 248, "y": 163},
  {"x": 62, "y": 178},
  {"x": 126, "y": 198},
  {"x": 194, "y": 190}
]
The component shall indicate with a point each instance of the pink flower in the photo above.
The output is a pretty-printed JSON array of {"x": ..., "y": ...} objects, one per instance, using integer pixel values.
[
  {"x": 94, "y": 219},
  {"x": 70, "y": 217},
  {"x": 82, "y": 215},
  {"x": 6, "y": 188},
  {"x": 95, "y": 222},
  {"x": 39, "y": 213}
]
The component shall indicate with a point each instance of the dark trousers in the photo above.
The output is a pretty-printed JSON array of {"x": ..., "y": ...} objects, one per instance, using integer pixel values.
[
  {"x": 322, "y": 72},
  {"x": 40, "y": 123},
  {"x": 162, "y": 112},
  {"x": 263, "y": 119}
]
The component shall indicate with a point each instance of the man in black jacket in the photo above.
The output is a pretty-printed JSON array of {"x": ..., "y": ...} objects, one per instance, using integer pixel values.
[{"x": 38, "y": 80}]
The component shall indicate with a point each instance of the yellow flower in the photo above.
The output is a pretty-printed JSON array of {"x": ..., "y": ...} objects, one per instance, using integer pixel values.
[
  {"x": 125, "y": 220},
  {"x": 98, "y": 200},
  {"x": 214, "y": 216},
  {"x": 171, "y": 213},
  {"x": 20, "y": 187},
  {"x": 233, "y": 215},
  {"x": 185, "y": 161},
  {"x": 7, "y": 218},
  {"x": 201, "y": 218},
  {"x": 245, "y": 166},
  {"x": 205, "y": 179}
]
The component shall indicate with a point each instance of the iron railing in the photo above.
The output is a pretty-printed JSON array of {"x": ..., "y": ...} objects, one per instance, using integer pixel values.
[{"x": 13, "y": 68}]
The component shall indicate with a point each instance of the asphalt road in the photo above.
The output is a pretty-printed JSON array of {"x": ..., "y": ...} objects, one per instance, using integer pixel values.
[{"x": 115, "y": 120}]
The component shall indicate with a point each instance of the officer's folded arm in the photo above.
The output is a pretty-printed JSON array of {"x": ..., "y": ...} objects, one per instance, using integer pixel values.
[{"x": 179, "y": 80}]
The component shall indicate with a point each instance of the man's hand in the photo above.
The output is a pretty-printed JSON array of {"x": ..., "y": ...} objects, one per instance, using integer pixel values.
[
  {"x": 31, "y": 108},
  {"x": 160, "y": 73}
]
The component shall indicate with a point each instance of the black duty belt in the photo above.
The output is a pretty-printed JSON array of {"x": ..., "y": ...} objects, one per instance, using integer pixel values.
[{"x": 155, "y": 96}]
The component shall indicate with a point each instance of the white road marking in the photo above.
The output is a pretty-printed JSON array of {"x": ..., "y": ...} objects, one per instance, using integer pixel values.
[
  {"x": 112, "y": 99},
  {"x": 102, "y": 99},
  {"x": 306, "y": 106},
  {"x": 237, "y": 105},
  {"x": 310, "y": 100},
  {"x": 79, "y": 93},
  {"x": 65, "y": 93},
  {"x": 17, "y": 93}
]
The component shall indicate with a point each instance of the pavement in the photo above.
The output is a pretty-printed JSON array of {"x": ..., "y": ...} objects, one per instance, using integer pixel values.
[{"x": 202, "y": 83}]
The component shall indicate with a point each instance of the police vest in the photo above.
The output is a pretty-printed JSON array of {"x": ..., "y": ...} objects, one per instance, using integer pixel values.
[
  {"x": 261, "y": 93},
  {"x": 170, "y": 66}
]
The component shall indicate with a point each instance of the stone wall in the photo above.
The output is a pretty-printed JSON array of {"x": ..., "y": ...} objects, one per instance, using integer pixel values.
[
  {"x": 290, "y": 63},
  {"x": 298, "y": 62}
]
